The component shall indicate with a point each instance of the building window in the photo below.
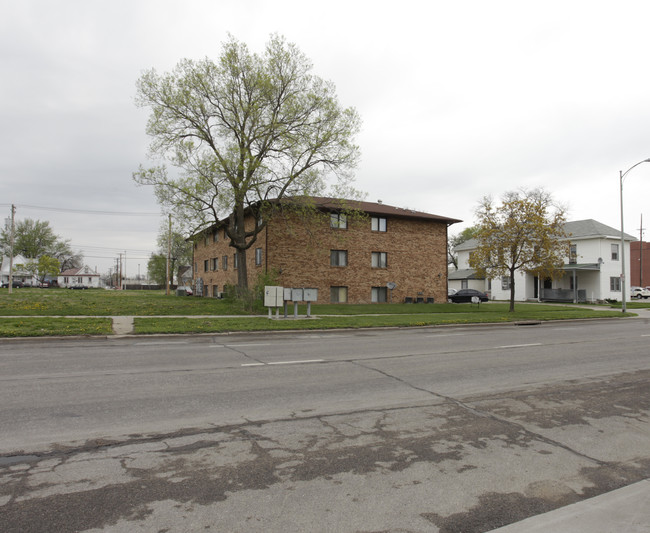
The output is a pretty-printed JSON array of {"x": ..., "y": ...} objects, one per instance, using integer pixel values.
[
  {"x": 463, "y": 284},
  {"x": 338, "y": 295},
  {"x": 338, "y": 221},
  {"x": 378, "y": 224},
  {"x": 224, "y": 262},
  {"x": 573, "y": 254},
  {"x": 505, "y": 283},
  {"x": 206, "y": 266},
  {"x": 205, "y": 240},
  {"x": 215, "y": 236},
  {"x": 235, "y": 262},
  {"x": 615, "y": 252},
  {"x": 338, "y": 258},
  {"x": 196, "y": 268},
  {"x": 215, "y": 291},
  {"x": 379, "y": 260},
  {"x": 215, "y": 263},
  {"x": 258, "y": 256},
  {"x": 615, "y": 284},
  {"x": 379, "y": 295}
]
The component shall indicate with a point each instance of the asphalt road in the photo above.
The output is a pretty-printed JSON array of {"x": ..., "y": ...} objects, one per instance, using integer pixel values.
[{"x": 433, "y": 429}]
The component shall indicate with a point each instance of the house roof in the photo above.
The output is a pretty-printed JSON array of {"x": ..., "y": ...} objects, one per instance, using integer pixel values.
[
  {"x": 463, "y": 273},
  {"x": 578, "y": 229},
  {"x": 372, "y": 208},
  {"x": 84, "y": 271},
  {"x": 590, "y": 228},
  {"x": 378, "y": 208}
]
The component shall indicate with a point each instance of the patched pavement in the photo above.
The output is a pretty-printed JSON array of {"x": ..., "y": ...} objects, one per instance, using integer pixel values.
[{"x": 469, "y": 464}]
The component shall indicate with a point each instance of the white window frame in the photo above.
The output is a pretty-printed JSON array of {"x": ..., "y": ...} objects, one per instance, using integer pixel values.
[
  {"x": 258, "y": 257},
  {"x": 378, "y": 224},
  {"x": 379, "y": 260},
  {"x": 338, "y": 295},
  {"x": 615, "y": 252},
  {"x": 379, "y": 295},
  {"x": 339, "y": 258},
  {"x": 338, "y": 221},
  {"x": 615, "y": 284}
]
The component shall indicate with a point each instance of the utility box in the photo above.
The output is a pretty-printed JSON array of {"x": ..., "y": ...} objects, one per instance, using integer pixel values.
[
  {"x": 296, "y": 295},
  {"x": 287, "y": 295},
  {"x": 273, "y": 296},
  {"x": 310, "y": 295}
]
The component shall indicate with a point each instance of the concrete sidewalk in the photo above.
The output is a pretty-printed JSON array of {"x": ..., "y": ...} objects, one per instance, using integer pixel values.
[{"x": 625, "y": 510}]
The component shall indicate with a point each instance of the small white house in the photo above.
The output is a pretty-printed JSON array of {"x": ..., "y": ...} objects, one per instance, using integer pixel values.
[
  {"x": 591, "y": 273},
  {"x": 18, "y": 274},
  {"x": 79, "y": 277}
]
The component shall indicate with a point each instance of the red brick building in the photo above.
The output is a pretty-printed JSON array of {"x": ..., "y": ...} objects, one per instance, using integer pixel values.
[
  {"x": 352, "y": 258},
  {"x": 640, "y": 264}
]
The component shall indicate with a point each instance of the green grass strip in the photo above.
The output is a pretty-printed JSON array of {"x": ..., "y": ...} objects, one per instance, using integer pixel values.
[
  {"x": 47, "y": 327},
  {"x": 147, "y": 325}
]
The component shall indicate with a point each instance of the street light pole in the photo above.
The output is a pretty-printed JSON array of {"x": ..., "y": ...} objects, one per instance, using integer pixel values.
[{"x": 621, "y": 176}]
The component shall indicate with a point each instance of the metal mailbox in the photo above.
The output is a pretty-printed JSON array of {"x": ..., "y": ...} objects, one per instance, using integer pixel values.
[
  {"x": 310, "y": 295},
  {"x": 273, "y": 296}
]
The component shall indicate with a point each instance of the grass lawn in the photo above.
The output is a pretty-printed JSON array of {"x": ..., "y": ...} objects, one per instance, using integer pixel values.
[
  {"x": 441, "y": 315},
  {"x": 47, "y": 306},
  {"x": 47, "y": 327},
  {"x": 101, "y": 302}
]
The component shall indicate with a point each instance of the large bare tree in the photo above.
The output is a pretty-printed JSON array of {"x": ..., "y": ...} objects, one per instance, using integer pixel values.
[{"x": 243, "y": 131}]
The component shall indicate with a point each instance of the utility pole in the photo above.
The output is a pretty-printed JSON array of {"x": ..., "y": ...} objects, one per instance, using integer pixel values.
[
  {"x": 641, "y": 228},
  {"x": 169, "y": 250},
  {"x": 11, "y": 249}
]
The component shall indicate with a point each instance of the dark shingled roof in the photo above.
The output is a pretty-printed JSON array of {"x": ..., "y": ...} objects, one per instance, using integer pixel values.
[{"x": 376, "y": 208}]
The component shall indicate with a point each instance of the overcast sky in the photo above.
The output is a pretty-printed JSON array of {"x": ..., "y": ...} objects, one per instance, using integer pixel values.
[{"x": 458, "y": 99}]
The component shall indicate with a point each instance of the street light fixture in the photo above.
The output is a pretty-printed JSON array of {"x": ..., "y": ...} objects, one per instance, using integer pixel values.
[{"x": 621, "y": 176}]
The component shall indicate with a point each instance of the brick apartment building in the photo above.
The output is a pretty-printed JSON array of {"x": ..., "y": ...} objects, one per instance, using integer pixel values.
[
  {"x": 353, "y": 259},
  {"x": 640, "y": 264}
]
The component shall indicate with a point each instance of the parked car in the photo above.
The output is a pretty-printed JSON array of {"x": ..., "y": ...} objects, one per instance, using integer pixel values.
[
  {"x": 451, "y": 291},
  {"x": 15, "y": 284},
  {"x": 44, "y": 284},
  {"x": 187, "y": 289},
  {"x": 639, "y": 292},
  {"x": 465, "y": 295},
  {"x": 78, "y": 287}
]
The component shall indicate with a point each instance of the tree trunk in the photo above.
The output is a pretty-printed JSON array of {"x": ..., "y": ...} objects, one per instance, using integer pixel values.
[
  {"x": 512, "y": 292},
  {"x": 242, "y": 272}
]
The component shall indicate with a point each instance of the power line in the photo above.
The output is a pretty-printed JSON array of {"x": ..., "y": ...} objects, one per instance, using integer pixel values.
[{"x": 85, "y": 211}]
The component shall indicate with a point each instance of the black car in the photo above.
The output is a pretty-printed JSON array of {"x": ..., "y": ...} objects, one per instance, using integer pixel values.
[
  {"x": 15, "y": 284},
  {"x": 465, "y": 295}
]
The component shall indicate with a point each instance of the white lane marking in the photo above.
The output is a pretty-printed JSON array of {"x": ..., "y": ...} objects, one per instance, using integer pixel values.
[
  {"x": 520, "y": 345},
  {"x": 286, "y": 362},
  {"x": 645, "y": 335},
  {"x": 160, "y": 343},
  {"x": 297, "y": 362},
  {"x": 242, "y": 345}
]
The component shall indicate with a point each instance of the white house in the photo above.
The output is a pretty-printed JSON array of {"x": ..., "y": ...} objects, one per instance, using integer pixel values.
[
  {"x": 591, "y": 273},
  {"x": 82, "y": 276},
  {"x": 18, "y": 274}
]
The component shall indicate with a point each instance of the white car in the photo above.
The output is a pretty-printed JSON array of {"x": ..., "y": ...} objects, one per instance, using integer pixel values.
[{"x": 639, "y": 292}]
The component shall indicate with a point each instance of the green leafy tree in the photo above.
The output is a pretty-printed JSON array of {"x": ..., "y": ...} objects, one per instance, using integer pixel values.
[
  {"x": 157, "y": 268},
  {"x": 35, "y": 238},
  {"x": 44, "y": 266},
  {"x": 180, "y": 251},
  {"x": 526, "y": 232},
  {"x": 243, "y": 131},
  {"x": 457, "y": 240}
]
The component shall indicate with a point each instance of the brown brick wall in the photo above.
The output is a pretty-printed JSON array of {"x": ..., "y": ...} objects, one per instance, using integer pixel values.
[{"x": 300, "y": 253}]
